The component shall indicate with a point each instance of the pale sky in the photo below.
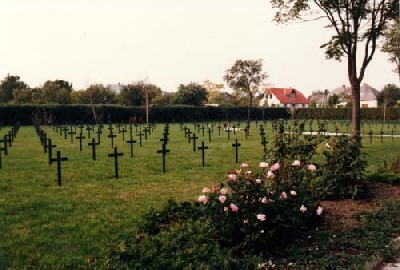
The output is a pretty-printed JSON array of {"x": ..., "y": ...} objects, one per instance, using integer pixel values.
[{"x": 166, "y": 42}]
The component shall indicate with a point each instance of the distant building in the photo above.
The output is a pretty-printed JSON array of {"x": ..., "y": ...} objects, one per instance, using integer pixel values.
[
  {"x": 284, "y": 97},
  {"x": 368, "y": 96},
  {"x": 319, "y": 98}
]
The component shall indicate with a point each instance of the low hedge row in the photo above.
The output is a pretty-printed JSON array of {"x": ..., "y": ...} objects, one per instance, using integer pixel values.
[
  {"x": 9, "y": 114},
  {"x": 84, "y": 113}
]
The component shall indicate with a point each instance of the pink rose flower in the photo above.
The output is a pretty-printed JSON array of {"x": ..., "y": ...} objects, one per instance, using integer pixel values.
[
  {"x": 263, "y": 165},
  {"x": 293, "y": 193},
  {"x": 245, "y": 165},
  {"x": 303, "y": 208},
  {"x": 261, "y": 217},
  {"x": 275, "y": 167},
  {"x": 270, "y": 175},
  {"x": 264, "y": 200},
  {"x": 311, "y": 167},
  {"x": 222, "y": 198},
  {"x": 203, "y": 199},
  {"x": 245, "y": 221},
  {"x": 206, "y": 190},
  {"x": 232, "y": 177},
  {"x": 234, "y": 207},
  {"x": 283, "y": 196},
  {"x": 258, "y": 181},
  {"x": 296, "y": 163},
  {"x": 224, "y": 191},
  {"x": 319, "y": 210}
]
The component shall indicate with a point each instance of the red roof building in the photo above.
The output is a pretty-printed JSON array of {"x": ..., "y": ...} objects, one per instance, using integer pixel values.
[{"x": 284, "y": 97}]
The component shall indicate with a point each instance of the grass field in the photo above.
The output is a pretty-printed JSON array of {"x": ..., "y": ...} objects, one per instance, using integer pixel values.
[{"x": 43, "y": 225}]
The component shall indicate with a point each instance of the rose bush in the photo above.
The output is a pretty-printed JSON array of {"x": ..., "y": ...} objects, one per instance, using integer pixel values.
[{"x": 252, "y": 215}]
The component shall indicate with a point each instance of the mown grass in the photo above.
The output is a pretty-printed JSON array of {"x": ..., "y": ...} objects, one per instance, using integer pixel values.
[{"x": 46, "y": 226}]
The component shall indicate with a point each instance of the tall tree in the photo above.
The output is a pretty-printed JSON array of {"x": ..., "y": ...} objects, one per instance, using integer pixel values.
[
  {"x": 391, "y": 45},
  {"x": 135, "y": 94},
  {"x": 57, "y": 92},
  {"x": 355, "y": 23},
  {"x": 245, "y": 76},
  {"x": 9, "y": 86},
  {"x": 191, "y": 94},
  {"x": 389, "y": 96}
]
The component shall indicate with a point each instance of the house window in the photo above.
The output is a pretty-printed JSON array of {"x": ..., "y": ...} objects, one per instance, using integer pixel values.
[{"x": 292, "y": 95}]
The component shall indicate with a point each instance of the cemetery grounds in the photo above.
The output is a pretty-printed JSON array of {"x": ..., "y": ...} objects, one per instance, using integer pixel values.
[{"x": 44, "y": 225}]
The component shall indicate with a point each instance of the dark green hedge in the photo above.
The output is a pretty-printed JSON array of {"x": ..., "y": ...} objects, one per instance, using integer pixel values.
[
  {"x": 345, "y": 113},
  {"x": 83, "y": 113},
  {"x": 9, "y": 114}
]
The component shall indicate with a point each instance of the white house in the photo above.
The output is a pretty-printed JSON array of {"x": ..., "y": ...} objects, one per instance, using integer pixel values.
[
  {"x": 284, "y": 97},
  {"x": 368, "y": 96}
]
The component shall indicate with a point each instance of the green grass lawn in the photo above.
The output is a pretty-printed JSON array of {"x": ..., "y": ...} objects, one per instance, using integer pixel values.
[{"x": 43, "y": 225}]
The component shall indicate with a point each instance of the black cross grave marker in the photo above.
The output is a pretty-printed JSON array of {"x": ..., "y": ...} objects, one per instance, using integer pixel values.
[
  {"x": 98, "y": 132},
  {"x": 10, "y": 138},
  {"x": 188, "y": 133},
  {"x": 131, "y": 142},
  {"x": 236, "y": 145},
  {"x": 264, "y": 143},
  {"x": 93, "y": 145},
  {"x": 123, "y": 130},
  {"x": 202, "y": 130},
  {"x": 163, "y": 151},
  {"x": 65, "y": 129},
  {"x": 88, "y": 129},
  {"x": 209, "y": 134},
  {"x": 202, "y": 148},
  {"x": 5, "y": 144},
  {"x": 219, "y": 129},
  {"x": 50, "y": 147},
  {"x": 59, "y": 159},
  {"x": 112, "y": 136},
  {"x": 194, "y": 138},
  {"x": 115, "y": 155},
  {"x": 229, "y": 132},
  {"x": 140, "y": 138},
  {"x": 165, "y": 139},
  {"x": 80, "y": 138},
  {"x": 146, "y": 131},
  {"x": 44, "y": 139},
  {"x": 1, "y": 149},
  {"x": 71, "y": 133}
]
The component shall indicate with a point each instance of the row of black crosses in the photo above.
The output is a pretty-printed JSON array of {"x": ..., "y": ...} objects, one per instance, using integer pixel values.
[
  {"x": 191, "y": 137},
  {"x": 71, "y": 131},
  {"x": 7, "y": 140}
]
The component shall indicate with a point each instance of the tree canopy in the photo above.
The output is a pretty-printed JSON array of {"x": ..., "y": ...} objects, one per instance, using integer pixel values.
[
  {"x": 191, "y": 94},
  {"x": 391, "y": 45},
  {"x": 9, "y": 86},
  {"x": 245, "y": 76}
]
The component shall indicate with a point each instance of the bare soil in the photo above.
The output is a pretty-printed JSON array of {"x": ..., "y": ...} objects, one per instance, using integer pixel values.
[{"x": 342, "y": 214}]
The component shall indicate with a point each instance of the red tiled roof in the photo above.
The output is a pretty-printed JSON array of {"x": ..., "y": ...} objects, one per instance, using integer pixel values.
[{"x": 283, "y": 95}]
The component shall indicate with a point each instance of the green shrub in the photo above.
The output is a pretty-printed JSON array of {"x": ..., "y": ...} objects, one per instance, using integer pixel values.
[{"x": 343, "y": 172}]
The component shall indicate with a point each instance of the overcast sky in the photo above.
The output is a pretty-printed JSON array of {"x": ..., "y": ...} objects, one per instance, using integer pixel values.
[{"x": 166, "y": 42}]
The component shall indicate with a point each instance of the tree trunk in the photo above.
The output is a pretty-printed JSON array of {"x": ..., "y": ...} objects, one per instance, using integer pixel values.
[
  {"x": 249, "y": 110},
  {"x": 355, "y": 93}
]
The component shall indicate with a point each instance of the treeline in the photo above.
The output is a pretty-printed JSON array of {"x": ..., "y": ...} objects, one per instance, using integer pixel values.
[
  {"x": 13, "y": 90},
  {"x": 59, "y": 114}
]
